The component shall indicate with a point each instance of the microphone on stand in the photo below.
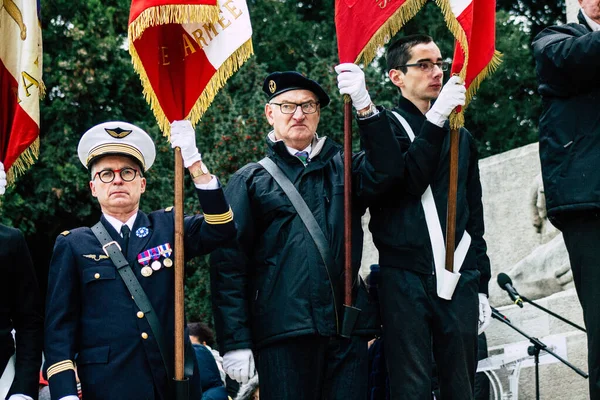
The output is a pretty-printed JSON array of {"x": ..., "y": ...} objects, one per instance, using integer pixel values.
[
  {"x": 499, "y": 316},
  {"x": 505, "y": 283}
]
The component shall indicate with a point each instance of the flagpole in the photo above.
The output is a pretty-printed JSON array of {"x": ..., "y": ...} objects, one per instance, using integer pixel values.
[
  {"x": 348, "y": 200},
  {"x": 179, "y": 277},
  {"x": 350, "y": 314},
  {"x": 452, "y": 190}
]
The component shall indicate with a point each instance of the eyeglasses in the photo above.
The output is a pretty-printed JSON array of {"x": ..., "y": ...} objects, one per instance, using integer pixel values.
[
  {"x": 427, "y": 66},
  {"x": 108, "y": 175},
  {"x": 290, "y": 108}
]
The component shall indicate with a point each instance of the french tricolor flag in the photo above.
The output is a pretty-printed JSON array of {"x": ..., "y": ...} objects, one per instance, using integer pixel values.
[
  {"x": 20, "y": 84},
  {"x": 184, "y": 53}
]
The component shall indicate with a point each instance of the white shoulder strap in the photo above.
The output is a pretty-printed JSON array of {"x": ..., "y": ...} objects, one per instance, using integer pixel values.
[{"x": 434, "y": 227}]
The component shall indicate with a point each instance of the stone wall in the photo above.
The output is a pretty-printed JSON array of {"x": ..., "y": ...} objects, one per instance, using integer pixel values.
[{"x": 572, "y": 10}]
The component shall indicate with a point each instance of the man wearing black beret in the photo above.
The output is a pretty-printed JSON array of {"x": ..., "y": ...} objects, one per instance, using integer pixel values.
[{"x": 276, "y": 300}]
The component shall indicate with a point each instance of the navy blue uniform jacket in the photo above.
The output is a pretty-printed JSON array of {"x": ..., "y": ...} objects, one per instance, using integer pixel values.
[{"x": 92, "y": 319}]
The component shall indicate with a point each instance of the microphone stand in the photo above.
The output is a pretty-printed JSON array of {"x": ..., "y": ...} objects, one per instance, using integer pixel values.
[
  {"x": 552, "y": 313},
  {"x": 535, "y": 352}
]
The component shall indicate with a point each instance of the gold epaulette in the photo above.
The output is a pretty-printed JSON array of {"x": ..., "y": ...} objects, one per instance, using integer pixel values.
[
  {"x": 65, "y": 233},
  {"x": 169, "y": 209},
  {"x": 59, "y": 367},
  {"x": 216, "y": 219}
]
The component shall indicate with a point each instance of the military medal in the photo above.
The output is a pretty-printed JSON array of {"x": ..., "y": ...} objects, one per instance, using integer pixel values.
[
  {"x": 156, "y": 265},
  {"x": 144, "y": 259},
  {"x": 165, "y": 250}
]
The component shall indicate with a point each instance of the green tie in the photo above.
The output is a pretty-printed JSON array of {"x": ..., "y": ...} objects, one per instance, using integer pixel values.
[{"x": 303, "y": 156}]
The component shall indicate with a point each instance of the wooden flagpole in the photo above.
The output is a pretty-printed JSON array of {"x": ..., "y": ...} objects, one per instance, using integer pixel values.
[
  {"x": 179, "y": 268},
  {"x": 452, "y": 190}
]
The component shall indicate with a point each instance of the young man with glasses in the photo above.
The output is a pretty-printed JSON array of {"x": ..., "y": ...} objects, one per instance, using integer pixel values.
[
  {"x": 123, "y": 347},
  {"x": 274, "y": 296},
  {"x": 408, "y": 225}
]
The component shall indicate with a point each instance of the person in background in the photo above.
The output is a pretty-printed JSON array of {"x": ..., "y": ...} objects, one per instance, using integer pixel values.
[
  {"x": 213, "y": 388},
  {"x": 21, "y": 311}
]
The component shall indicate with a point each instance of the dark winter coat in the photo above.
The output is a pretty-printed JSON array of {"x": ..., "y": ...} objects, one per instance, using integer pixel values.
[
  {"x": 568, "y": 69},
  {"x": 272, "y": 284}
]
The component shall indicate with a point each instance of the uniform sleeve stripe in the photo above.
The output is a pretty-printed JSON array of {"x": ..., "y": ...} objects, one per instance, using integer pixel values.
[
  {"x": 216, "y": 219},
  {"x": 61, "y": 366}
]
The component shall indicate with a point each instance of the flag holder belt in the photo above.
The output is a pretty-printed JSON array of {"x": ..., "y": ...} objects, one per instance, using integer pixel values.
[
  {"x": 312, "y": 226},
  {"x": 113, "y": 250}
]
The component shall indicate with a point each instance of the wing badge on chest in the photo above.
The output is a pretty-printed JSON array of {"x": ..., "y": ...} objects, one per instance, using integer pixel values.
[{"x": 95, "y": 257}]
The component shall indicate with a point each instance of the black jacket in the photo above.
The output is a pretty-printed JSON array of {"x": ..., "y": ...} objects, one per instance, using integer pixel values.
[
  {"x": 568, "y": 70},
  {"x": 21, "y": 310},
  {"x": 272, "y": 283},
  {"x": 397, "y": 218}
]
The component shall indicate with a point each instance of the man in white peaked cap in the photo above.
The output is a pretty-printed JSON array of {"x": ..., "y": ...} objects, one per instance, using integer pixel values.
[{"x": 110, "y": 304}]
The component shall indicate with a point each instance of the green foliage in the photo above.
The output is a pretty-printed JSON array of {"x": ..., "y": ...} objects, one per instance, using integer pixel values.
[{"x": 90, "y": 79}]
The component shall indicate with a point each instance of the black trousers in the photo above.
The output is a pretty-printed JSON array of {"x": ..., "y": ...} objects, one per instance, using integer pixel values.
[
  {"x": 314, "y": 368},
  {"x": 582, "y": 238},
  {"x": 417, "y": 324}
]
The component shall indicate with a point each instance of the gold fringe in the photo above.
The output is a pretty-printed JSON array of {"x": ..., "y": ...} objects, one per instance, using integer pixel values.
[
  {"x": 25, "y": 160},
  {"x": 396, "y": 21},
  {"x": 457, "y": 120},
  {"x": 172, "y": 14},
  {"x": 227, "y": 69}
]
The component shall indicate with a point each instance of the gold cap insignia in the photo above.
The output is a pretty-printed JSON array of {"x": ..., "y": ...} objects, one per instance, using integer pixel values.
[
  {"x": 272, "y": 86},
  {"x": 118, "y": 133}
]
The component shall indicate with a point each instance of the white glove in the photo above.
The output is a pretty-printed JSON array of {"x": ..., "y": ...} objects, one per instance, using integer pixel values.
[
  {"x": 351, "y": 81},
  {"x": 453, "y": 94},
  {"x": 485, "y": 313},
  {"x": 2, "y": 179},
  {"x": 19, "y": 397},
  {"x": 184, "y": 137},
  {"x": 239, "y": 365}
]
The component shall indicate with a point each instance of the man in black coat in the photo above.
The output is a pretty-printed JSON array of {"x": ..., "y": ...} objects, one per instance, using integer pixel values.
[
  {"x": 123, "y": 346},
  {"x": 568, "y": 70},
  {"x": 21, "y": 310},
  {"x": 272, "y": 292},
  {"x": 422, "y": 311}
]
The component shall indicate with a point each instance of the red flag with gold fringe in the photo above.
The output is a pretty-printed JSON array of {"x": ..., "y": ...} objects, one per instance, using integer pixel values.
[
  {"x": 184, "y": 52},
  {"x": 20, "y": 85},
  {"x": 363, "y": 26},
  {"x": 473, "y": 24}
]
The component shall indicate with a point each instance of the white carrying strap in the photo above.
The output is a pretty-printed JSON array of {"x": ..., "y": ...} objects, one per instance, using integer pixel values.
[
  {"x": 7, "y": 377},
  {"x": 446, "y": 280}
]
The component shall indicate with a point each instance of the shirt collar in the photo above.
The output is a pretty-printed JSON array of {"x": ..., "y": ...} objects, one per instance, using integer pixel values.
[
  {"x": 118, "y": 224},
  {"x": 592, "y": 24}
]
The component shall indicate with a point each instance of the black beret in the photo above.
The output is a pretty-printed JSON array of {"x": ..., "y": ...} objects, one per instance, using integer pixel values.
[{"x": 280, "y": 82}]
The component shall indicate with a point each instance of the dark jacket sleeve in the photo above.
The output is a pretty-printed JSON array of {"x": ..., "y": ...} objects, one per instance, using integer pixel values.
[
  {"x": 204, "y": 233},
  {"x": 229, "y": 271},
  {"x": 380, "y": 161},
  {"x": 63, "y": 302},
  {"x": 475, "y": 224},
  {"x": 567, "y": 55},
  {"x": 26, "y": 314}
]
